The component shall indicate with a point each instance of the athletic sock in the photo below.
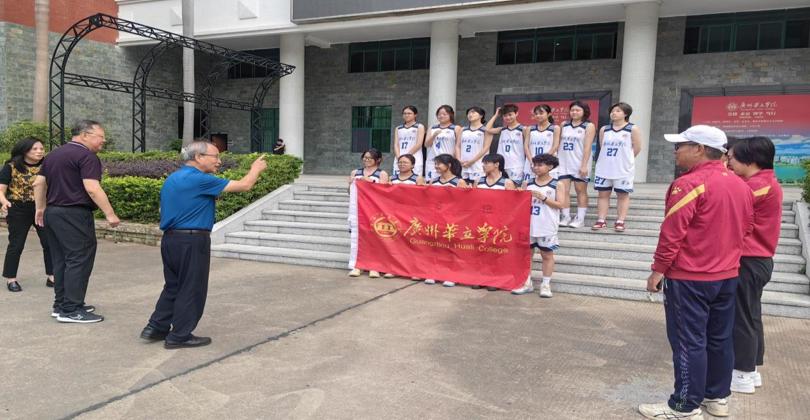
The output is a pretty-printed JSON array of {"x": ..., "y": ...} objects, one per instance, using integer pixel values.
[
  {"x": 581, "y": 213},
  {"x": 566, "y": 212},
  {"x": 546, "y": 281},
  {"x": 619, "y": 221}
]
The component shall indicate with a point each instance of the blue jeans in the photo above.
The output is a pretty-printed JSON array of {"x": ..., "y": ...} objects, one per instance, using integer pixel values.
[{"x": 700, "y": 321}]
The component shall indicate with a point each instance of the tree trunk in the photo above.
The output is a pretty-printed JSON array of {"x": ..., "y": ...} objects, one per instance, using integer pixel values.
[
  {"x": 188, "y": 72},
  {"x": 40, "y": 113}
]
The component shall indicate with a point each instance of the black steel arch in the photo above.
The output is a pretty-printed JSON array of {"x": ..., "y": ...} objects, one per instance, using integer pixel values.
[{"x": 138, "y": 88}]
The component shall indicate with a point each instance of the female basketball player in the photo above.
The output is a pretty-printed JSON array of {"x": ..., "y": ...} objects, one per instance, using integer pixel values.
[
  {"x": 370, "y": 172},
  {"x": 474, "y": 144},
  {"x": 575, "y": 162},
  {"x": 448, "y": 171},
  {"x": 442, "y": 138},
  {"x": 543, "y": 137},
  {"x": 408, "y": 139}
]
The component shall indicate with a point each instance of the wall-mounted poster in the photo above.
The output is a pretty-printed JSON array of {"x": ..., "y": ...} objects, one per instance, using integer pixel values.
[{"x": 784, "y": 118}]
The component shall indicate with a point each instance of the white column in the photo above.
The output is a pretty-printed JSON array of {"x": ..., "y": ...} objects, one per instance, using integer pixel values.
[
  {"x": 443, "y": 66},
  {"x": 291, "y": 95},
  {"x": 638, "y": 71}
]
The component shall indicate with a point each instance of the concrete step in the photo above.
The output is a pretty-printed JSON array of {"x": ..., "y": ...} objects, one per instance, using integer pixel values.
[
  {"x": 281, "y": 255},
  {"x": 308, "y": 217},
  {"x": 633, "y": 221},
  {"x": 338, "y": 197},
  {"x": 290, "y": 241},
  {"x": 773, "y": 302},
  {"x": 637, "y": 236},
  {"x": 300, "y": 228},
  {"x": 314, "y": 206},
  {"x": 627, "y": 269},
  {"x": 790, "y": 263},
  {"x": 327, "y": 188}
]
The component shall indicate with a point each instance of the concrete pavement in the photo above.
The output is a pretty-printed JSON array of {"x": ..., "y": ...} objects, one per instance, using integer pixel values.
[{"x": 299, "y": 342}]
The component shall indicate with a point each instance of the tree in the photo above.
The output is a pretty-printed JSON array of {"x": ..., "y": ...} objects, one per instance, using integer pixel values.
[{"x": 41, "y": 10}]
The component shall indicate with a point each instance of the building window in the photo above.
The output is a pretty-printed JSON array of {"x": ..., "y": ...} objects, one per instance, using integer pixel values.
[
  {"x": 246, "y": 70},
  {"x": 582, "y": 42},
  {"x": 402, "y": 54},
  {"x": 769, "y": 30},
  {"x": 371, "y": 127}
]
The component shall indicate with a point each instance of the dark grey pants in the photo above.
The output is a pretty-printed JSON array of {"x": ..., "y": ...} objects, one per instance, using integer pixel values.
[
  {"x": 72, "y": 240},
  {"x": 749, "y": 338},
  {"x": 20, "y": 219}
]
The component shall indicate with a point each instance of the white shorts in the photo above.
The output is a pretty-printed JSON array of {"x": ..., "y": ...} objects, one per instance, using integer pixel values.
[
  {"x": 623, "y": 185},
  {"x": 515, "y": 174},
  {"x": 545, "y": 243}
]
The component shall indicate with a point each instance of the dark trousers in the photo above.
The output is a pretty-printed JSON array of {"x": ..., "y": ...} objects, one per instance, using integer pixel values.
[
  {"x": 20, "y": 219},
  {"x": 72, "y": 239},
  {"x": 186, "y": 262},
  {"x": 700, "y": 319},
  {"x": 749, "y": 338}
]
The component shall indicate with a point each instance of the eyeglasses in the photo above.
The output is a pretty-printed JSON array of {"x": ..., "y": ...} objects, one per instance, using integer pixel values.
[
  {"x": 93, "y": 134},
  {"x": 209, "y": 154},
  {"x": 368, "y": 158},
  {"x": 686, "y": 143}
]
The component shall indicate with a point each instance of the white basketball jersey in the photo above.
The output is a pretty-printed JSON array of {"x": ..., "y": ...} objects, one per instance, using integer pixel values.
[
  {"x": 540, "y": 141},
  {"x": 572, "y": 147},
  {"x": 616, "y": 158},
  {"x": 407, "y": 138},
  {"x": 510, "y": 146},
  {"x": 407, "y": 181},
  {"x": 444, "y": 141},
  {"x": 544, "y": 219},
  {"x": 453, "y": 182},
  {"x": 472, "y": 141},
  {"x": 498, "y": 185}
]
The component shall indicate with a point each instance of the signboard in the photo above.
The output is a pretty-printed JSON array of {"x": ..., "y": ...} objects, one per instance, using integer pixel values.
[{"x": 784, "y": 118}]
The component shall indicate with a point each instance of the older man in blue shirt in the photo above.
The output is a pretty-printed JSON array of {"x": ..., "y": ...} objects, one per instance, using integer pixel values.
[{"x": 186, "y": 218}]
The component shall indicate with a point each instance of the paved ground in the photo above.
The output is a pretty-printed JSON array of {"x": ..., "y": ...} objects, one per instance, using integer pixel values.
[{"x": 300, "y": 343}]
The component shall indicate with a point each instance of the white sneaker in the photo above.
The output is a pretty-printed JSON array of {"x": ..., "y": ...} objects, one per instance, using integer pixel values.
[
  {"x": 430, "y": 281},
  {"x": 355, "y": 273},
  {"x": 742, "y": 382},
  {"x": 717, "y": 407},
  {"x": 663, "y": 412},
  {"x": 545, "y": 290},
  {"x": 566, "y": 220},
  {"x": 448, "y": 284},
  {"x": 388, "y": 276},
  {"x": 528, "y": 287},
  {"x": 373, "y": 274},
  {"x": 577, "y": 223},
  {"x": 757, "y": 379}
]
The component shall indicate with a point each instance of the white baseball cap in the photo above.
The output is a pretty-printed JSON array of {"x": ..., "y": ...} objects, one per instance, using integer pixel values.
[{"x": 701, "y": 134}]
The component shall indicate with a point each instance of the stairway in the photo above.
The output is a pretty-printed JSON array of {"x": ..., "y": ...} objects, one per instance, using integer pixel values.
[{"x": 307, "y": 226}]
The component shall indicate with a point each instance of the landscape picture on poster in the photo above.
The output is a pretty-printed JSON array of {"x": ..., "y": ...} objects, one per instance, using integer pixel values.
[{"x": 782, "y": 118}]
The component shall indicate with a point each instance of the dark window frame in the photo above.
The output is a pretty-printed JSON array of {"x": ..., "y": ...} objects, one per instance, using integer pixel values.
[
  {"x": 371, "y": 127},
  {"x": 369, "y": 55},
  {"x": 558, "y": 37},
  {"x": 698, "y": 31}
]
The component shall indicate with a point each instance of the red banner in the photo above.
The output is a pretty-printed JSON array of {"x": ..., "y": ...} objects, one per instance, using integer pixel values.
[
  {"x": 468, "y": 236},
  {"x": 783, "y": 118}
]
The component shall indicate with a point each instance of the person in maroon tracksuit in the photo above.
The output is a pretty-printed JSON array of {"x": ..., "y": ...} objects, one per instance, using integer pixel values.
[
  {"x": 708, "y": 213},
  {"x": 752, "y": 160}
]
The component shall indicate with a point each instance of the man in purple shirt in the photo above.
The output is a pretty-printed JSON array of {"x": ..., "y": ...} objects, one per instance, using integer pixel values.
[{"x": 67, "y": 191}]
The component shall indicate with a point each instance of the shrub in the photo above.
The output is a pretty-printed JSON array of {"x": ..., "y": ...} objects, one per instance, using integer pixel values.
[
  {"x": 176, "y": 145},
  {"x": 153, "y": 168},
  {"x": 20, "y": 130},
  {"x": 806, "y": 181},
  {"x": 134, "y": 198},
  {"x": 281, "y": 170}
]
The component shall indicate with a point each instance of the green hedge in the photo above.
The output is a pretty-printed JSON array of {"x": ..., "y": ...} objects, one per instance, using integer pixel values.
[
  {"x": 138, "y": 199},
  {"x": 806, "y": 182},
  {"x": 20, "y": 130}
]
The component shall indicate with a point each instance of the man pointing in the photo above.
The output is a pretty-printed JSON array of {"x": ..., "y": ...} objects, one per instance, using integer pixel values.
[{"x": 186, "y": 218}]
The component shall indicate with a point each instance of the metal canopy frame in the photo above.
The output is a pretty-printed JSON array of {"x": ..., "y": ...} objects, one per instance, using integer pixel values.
[{"x": 139, "y": 89}]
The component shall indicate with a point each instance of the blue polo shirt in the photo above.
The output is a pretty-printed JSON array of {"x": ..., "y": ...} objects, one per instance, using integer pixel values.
[{"x": 187, "y": 199}]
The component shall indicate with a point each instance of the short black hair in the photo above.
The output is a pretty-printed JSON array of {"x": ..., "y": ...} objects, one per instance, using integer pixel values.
[
  {"x": 756, "y": 150},
  {"x": 375, "y": 154},
  {"x": 409, "y": 157},
  {"x": 480, "y": 111},
  {"x": 625, "y": 107},
  {"x": 494, "y": 158},
  {"x": 586, "y": 109},
  {"x": 509, "y": 108},
  {"x": 547, "y": 159}
]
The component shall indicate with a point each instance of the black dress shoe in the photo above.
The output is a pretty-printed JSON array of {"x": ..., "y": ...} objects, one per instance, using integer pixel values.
[
  {"x": 193, "y": 341},
  {"x": 153, "y": 334},
  {"x": 48, "y": 282},
  {"x": 475, "y": 286},
  {"x": 492, "y": 289},
  {"x": 14, "y": 286}
]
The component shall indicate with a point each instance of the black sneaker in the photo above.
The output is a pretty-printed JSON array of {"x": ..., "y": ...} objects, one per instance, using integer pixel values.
[
  {"x": 193, "y": 341},
  {"x": 86, "y": 308},
  {"x": 80, "y": 317},
  {"x": 48, "y": 282}
]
